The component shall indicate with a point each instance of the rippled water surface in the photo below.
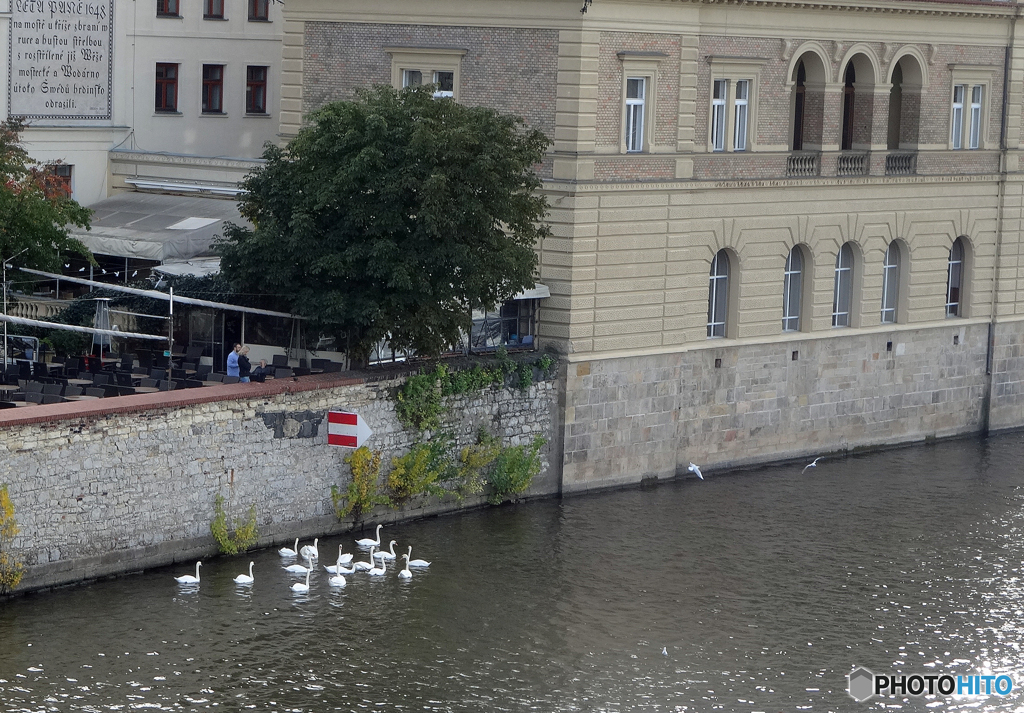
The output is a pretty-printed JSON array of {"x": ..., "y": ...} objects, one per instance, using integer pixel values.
[{"x": 749, "y": 591}]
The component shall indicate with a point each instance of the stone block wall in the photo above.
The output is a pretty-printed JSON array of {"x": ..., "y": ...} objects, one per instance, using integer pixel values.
[
  {"x": 649, "y": 416},
  {"x": 115, "y": 492}
]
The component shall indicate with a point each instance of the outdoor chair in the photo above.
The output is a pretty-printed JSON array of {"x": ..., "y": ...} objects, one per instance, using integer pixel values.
[
  {"x": 157, "y": 374},
  {"x": 71, "y": 367},
  {"x": 72, "y": 390},
  {"x": 97, "y": 392},
  {"x": 100, "y": 379},
  {"x": 51, "y": 389},
  {"x": 193, "y": 353},
  {"x": 282, "y": 373},
  {"x": 300, "y": 371},
  {"x": 8, "y": 404},
  {"x": 167, "y": 385},
  {"x": 215, "y": 376},
  {"x": 149, "y": 383},
  {"x": 123, "y": 378},
  {"x": 203, "y": 371},
  {"x": 110, "y": 391},
  {"x": 280, "y": 360},
  {"x": 33, "y": 397},
  {"x": 52, "y": 399},
  {"x": 230, "y": 379}
]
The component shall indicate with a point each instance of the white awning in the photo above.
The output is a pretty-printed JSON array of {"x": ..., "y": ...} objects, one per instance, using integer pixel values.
[
  {"x": 157, "y": 226},
  {"x": 199, "y": 267},
  {"x": 538, "y": 292}
]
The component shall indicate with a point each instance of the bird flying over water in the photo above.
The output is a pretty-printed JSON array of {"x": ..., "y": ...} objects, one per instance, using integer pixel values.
[
  {"x": 813, "y": 464},
  {"x": 694, "y": 469}
]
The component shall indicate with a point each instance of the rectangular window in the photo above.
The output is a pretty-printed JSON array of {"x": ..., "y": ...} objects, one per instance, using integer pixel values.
[
  {"x": 445, "y": 82},
  {"x": 213, "y": 88},
  {"x": 167, "y": 8},
  {"x": 60, "y": 174},
  {"x": 259, "y": 10},
  {"x": 975, "y": 135},
  {"x": 739, "y": 141},
  {"x": 958, "y": 115},
  {"x": 635, "y": 96},
  {"x": 718, "y": 97},
  {"x": 256, "y": 90},
  {"x": 213, "y": 9},
  {"x": 166, "y": 87},
  {"x": 412, "y": 78}
]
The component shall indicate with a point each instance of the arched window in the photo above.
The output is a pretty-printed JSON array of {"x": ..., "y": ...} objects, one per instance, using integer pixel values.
[
  {"x": 718, "y": 295},
  {"x": 791, "y": 291},
  {"x": 848, "y": 107},
  {"x": 842, "y": 294},
  {"x": 890, "y": 283},
  {"x": 799, "y": 94},
  {"x": 954, "y": 279}
]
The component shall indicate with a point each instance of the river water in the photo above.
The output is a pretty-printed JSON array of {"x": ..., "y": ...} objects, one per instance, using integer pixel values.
[{"x": 750, "y": 591}]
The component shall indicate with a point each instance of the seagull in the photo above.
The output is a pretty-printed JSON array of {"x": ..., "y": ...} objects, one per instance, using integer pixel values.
[
  {"x": 694, "y": 469},
  {"x": 813, "y": 464},
  {"x": 67, "y": 264},
  {"x": 664, "y": 651}
]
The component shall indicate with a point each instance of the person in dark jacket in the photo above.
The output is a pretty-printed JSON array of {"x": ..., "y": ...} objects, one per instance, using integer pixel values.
[
  {"x": 261, "y": 372},
  {"x": 244, "y": 367}
]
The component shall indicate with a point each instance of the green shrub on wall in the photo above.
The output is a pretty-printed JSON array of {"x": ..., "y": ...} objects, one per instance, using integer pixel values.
[
  {"x": 513, "y": 471},
  {"x": 473, "y": 461},
  {"x": 11, "y": 569},
  {"x": 245, "y": 531},
  {"x": 421, "y": 470},
  {"x": 363, "y": 491}
]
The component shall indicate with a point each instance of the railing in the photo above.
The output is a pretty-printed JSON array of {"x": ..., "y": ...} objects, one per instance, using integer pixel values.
[
  {"x": 903, "y": 163},
  {"x": 852, "y": 164},
  {"x": 803, "y": 163},
  {"x": 34, "y": 308}
]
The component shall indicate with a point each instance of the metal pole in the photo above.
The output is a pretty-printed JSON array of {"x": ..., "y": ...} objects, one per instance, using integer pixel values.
[{"x": 170, "y": 335}]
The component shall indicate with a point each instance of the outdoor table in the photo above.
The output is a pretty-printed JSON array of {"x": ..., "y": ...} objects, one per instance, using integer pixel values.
[
  {"x": 80, "y": 382},
  {"x": 146, "y": 389}
]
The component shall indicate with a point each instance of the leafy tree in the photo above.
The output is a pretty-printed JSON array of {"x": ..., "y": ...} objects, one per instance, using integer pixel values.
[
  {"x": 35, "y": 212},
  {"x": 391, "y": 216}
]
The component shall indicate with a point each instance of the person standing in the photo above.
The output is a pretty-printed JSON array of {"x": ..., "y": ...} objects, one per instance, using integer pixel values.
[
  {"x": 233, "y": 360},
  {"x": 244, "y": 367}
]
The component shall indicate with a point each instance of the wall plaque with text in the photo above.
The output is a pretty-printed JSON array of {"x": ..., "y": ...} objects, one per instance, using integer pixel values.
[{"x": 60, "y": 59}]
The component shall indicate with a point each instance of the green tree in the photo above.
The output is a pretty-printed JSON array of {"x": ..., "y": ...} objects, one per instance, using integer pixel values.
[
  {"x": 391, "y": 216},
  {"x": 35, "y": 211}
]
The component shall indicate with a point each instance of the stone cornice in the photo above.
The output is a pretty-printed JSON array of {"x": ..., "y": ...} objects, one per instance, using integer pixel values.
[{"x": 945, "y": 8}]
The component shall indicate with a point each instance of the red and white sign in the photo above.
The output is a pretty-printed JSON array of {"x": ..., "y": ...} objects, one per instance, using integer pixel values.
[{"x": 346, "y": 429}]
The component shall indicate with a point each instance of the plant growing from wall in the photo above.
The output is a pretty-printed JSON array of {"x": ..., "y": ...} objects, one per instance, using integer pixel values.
[
  {"x": 471, "y": 465},
  {"x": 418, "y": 400},
  {"x": 421, "y": 471},
  {"x": 245, "y": 531},
  {"x": 363, "y": 491},
  {"x": 514, "y": 469},
  {"x": 11, "y": 568}
]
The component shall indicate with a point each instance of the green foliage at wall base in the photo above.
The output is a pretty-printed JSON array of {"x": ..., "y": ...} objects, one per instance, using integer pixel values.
[
  {"x": 245, "y": 531},
  {"x": 421, "y": 470},
  {"x": 363, "y": 491},
  {"x": 513, "y": 471},
  {"x": 472, "y": 464},
  {"x": 11, "y": 569}
]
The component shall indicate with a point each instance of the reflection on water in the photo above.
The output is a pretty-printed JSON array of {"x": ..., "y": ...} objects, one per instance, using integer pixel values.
[{"x": 762, "y": 588}]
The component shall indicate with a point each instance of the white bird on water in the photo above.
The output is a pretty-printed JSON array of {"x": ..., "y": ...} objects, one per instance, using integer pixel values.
[
  {"x": 245, "y": 578},
  {"x": 311, "y": 552},
  {"x": 695, "y": 470},
  {"x": 367, "y": 542},
  {"x": 387, "y": 554},
  {"x": 405, "y": 573},
  {"x": 299, "y": 569},
  {"x": 300, "y": 587},
  {"x": 417, "y": 563},
  {"x": 813, "y": 464},
  {"x": 188, "y": 578},
  {"x": 288, "y": 552}
]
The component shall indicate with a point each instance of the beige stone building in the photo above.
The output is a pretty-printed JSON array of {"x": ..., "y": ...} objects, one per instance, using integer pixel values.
[{"x": 780, "y": 228}]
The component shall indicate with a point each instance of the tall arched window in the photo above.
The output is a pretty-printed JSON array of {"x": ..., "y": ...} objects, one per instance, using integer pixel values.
[
  {"x": 791, "y": 291},
  {"x": 848, "y": 107},
  {"x": 890, "y": 283},
  {"x": 718, "y": 295},
  {"x": 842, "y": 294},
  {"x": 954, "y": 279},
  {"x": 799, "y": 94}
]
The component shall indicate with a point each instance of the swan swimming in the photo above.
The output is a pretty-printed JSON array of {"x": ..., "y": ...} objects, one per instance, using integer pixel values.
[
  {"x": 286, "y": 552},
  {"x": 311, "y": 552},
  {"x": 405, "y": 573},
  {"x": 366, "y": 542},
  {"x": 389, "y": 555},
  {"x": 813, "y": 464},
  {"x": 337, "y": 581},
  {"x": 302, "y": 587},
  {"x": 343, "y": 559},
  {"x": 298, "y": 568},
  {"x": 362, "y": 566},
  {"x": 245, "y": 578},
  {"x": 188, "y": 578},
  {"x": 416, "y": 563},
  {"x": 380, "y": 570},
  {"x": 696, "y": 470}
]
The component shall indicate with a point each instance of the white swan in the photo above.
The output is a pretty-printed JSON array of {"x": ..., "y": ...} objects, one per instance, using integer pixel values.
[
  {"x": 389, "y": 555},
  {"x": 286, "y": 552},
  {"x": 188, "y": 578},
  {"x": 380, "y": 570},
  {"x": 362, "y": 566},
  {"x": 338, "y": 567},
  {"x": 300, "y": 586},
  {"x": 416, "y": 563},
  {"x": 366, "y": 542},
  {"x": 405, "y": 573},
  {"x": 299, "y": 569},
  {"x": 311, "y": 552},
  {"x": 337, "y": 581},
  {"x": 245, "y": 578}
]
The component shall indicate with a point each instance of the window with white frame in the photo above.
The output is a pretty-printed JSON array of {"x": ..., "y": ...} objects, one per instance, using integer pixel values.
[
  {"x": 792, "y": 291},
  {"x": 636, "y": 98},
  {"x": 441, "y": 67},
  {"x": 718, "y": 295},
  {"x": 733, "y": 103},
  {"x": 718, "y": 98},
  {"x": 842, "y": 294},
  {"x": 971, "y": 90},
  {"x": 740, "y": 112},
  {"x": 890, "y": 283},
  {"x": 954, "y": 279}
]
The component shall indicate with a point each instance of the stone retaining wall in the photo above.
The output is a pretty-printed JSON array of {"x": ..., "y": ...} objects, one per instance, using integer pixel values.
[{"x": 123, "y": 484}]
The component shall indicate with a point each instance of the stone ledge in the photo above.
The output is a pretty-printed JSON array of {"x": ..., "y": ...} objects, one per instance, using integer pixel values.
[{"x": 46, "y": 413}]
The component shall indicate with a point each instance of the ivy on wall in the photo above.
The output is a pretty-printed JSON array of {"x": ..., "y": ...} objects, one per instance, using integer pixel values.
[
  {"x": 245, "y": 531},
  {"x": 11, "y": 569}
]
